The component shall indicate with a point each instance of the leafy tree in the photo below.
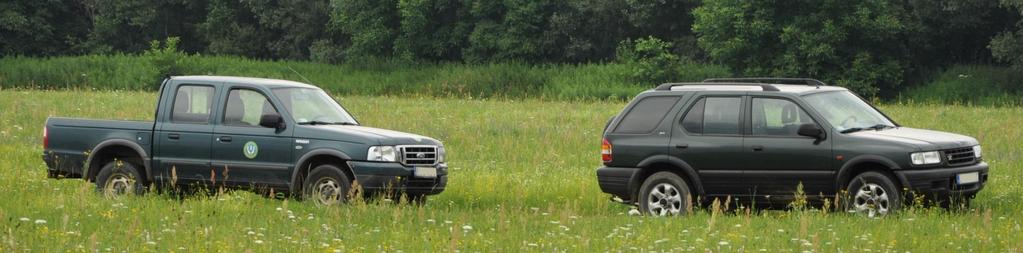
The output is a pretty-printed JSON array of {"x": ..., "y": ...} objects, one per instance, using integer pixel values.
[
  {"x": 509, "y": 30},
  {"x": 432, "y": 29},
  {"x": 128, "y": 26},
  {"x": 370, "y": 25},
  {"x": 1008, "y": 45},
  {"x": 857, "y": 44},
  {"x": 264, "y": 28},
  {"x": 651, "y": 60},
  {"x": 33, "y": 27}
]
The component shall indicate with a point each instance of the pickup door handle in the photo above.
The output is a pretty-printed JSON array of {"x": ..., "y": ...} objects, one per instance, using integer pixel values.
[
  {"x": 224, "y": 139},
  {"x": 681, "y": 146},
  {"x": 173, "y": 136},
  {"x": 758, "y": 148}
]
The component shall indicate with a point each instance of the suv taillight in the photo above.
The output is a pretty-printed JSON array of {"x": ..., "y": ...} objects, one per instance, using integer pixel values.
[
  {"x": 605, "y": 151},
  {"x": 46, "y": 138}
]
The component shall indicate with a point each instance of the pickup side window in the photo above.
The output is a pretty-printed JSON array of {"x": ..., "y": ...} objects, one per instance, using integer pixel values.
[
  {"x": 245, "y": 107},
  {"x": 714, "y": 115},
  {"x": 646, "y": 114},
  {"x": 192, "y": 104},
  {"x": 777, "y": 117}
]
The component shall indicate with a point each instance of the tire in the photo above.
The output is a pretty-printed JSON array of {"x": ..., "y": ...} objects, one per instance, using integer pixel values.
[
  {"x": 872, "y": 194},
  {"x": 664, "y": 194},
  {"x": 326, "y": 185},
  {"x": 118, "y": 178}
]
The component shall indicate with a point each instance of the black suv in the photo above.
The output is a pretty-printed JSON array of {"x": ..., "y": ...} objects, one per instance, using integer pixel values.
[{"x": 757, "y": 140}]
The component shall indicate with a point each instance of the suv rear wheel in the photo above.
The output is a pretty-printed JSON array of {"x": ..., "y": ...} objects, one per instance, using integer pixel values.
[
  {"x": 664, "y": 194},
  {"x": 872, "y": 194}
]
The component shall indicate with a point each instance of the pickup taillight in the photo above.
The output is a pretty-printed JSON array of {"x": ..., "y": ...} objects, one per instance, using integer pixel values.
[
  {"x": 605, "y": 151},
  {"x": 46, "y": 138}
]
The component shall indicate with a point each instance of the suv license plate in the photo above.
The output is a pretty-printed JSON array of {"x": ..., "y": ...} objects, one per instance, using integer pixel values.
[
  {"x": 425, "y": 172},
  {"x": 968, "y": 178}
]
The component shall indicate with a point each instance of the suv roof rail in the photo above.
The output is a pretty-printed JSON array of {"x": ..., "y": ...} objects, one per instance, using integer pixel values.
[
  {"x": 777, "y": 80},
  {"x": 764, "y": 86}
]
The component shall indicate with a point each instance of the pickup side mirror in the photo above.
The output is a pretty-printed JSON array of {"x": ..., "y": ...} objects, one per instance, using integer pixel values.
[
  {"x": 811, "y": 130},
  {"x": 272, "y": 121}
]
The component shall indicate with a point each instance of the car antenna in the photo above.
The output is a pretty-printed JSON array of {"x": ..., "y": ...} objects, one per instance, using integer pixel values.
[{"x": 299, "y": 74}]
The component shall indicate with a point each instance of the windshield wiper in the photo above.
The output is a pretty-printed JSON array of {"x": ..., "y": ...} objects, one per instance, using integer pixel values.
[
  {"x": 877, "y": 127},
  {"x": 326, "y": 123}
]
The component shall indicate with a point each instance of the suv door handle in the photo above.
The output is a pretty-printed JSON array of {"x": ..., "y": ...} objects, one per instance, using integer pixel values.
[
  {"x": 681, "y": 146},
  {"x": 224, "y": 139},
  {"x": 173, "y": 136},
  {"x": 758, "y": 148}
]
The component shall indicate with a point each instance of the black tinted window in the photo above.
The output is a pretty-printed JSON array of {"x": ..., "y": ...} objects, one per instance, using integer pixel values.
[
  {"x": 713, "y": 115},
  {"x": 694, "y": 118},
  {"x": 777, "y": 117},
  {"x": 645, "y": 115},
  {"x": 192, "y": 104}
]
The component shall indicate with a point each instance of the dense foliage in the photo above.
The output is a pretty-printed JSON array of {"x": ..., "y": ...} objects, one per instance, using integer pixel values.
[{"x": 873, "y": 45}]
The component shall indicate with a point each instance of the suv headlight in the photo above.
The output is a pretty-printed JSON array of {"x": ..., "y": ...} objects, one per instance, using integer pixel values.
[
  {"x": 921, "y": 158},
  {"x": 976, "y": 151},
  {"x": 382, "y": 154}
]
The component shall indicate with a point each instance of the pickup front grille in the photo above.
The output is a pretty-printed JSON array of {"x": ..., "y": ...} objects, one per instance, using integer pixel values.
[
  {"x": 418, "y": 155},
  {"x": 959, "y": 156}
]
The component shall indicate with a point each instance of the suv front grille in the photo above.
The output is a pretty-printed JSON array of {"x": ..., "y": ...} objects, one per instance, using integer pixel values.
[
  {"x": 959, "y": 156},
  {"x": 418, "y": 155}
]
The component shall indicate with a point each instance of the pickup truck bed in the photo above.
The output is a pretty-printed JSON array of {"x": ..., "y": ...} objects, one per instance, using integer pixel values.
[{"x": 69, "y": 137}]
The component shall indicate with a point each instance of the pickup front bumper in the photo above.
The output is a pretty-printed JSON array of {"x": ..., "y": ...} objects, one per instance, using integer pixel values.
[
  {"x": 376, "y": 177},
  {"x": 941, "y": 184}
]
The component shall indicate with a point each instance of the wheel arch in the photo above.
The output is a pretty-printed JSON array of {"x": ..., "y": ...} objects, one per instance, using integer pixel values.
[
  {"x": 315, "y": 158},
  {"x": 116, "y": 148},
  {"x": 866, "y": 163},
  {"x": 659, "y": 163}
]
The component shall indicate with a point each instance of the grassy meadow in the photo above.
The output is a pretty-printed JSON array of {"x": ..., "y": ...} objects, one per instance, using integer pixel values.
[{"x": 522, "y": 179}]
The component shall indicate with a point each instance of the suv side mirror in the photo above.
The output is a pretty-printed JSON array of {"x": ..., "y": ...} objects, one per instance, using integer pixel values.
[
  {"x": 272, "y": 121},
  {"x": 811, "y": 130}
]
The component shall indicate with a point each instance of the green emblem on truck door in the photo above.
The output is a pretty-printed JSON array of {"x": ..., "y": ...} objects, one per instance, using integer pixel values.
[{"x": 250, "y": 149}]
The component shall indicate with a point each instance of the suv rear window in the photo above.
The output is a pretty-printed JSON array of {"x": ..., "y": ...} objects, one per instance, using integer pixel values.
[
  {"x": 713, "y": 115},
  {"x": 645, "y": 115}
]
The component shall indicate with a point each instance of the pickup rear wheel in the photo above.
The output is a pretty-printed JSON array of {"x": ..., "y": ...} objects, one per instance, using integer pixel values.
[
  {"x": 872, "y": 194},
  {"x": 118, "y": 178},
  {"x": 326, "y": 185},
  {"x": 664, "y": 194}
]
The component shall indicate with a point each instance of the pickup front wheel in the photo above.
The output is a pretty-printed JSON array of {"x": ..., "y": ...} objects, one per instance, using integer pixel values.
[
  {"x": 664, "y": 194},
  {"x": 326, "y": 185},
  {"x": 118, "y": 178}
]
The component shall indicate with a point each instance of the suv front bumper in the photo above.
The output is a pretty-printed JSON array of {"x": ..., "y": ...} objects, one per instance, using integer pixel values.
[
  {"x": 375, "y": 177},
  {"x": 618, "y": 181},
  {"x": 941, "y": 183}
]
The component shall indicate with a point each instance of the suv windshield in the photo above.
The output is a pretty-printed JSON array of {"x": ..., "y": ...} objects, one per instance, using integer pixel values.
[
  {"x": 313, "y": 107},
  {"x": 847, "y": 112}
]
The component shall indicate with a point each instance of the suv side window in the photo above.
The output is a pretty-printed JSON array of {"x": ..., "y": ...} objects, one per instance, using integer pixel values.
[
  {"x": 646, "y": 114},
  {"x": 245, "y": 108},
  {"x": 192, "y": 104},
  {"x": 777, "y": 117},
  {"x": 714, "y": 115}
]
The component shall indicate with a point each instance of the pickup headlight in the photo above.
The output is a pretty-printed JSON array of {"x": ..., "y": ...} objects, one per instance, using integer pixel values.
[
  {"x": 976, "y": 151},
  {"x": 921, "y": 158},
  {"x": 382, "y": 154},
  {"x": 441, "y": 153}
]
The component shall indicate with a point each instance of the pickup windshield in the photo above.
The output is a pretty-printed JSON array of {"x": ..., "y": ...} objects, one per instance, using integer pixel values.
[
  {"x": 847, "y": 112},
  {"x": 310, "y": 106}
]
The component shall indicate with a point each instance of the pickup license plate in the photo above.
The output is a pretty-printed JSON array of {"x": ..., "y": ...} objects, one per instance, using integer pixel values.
[
  {"x": 425, "y": 172},
  {"x": 968, "y": 178}
]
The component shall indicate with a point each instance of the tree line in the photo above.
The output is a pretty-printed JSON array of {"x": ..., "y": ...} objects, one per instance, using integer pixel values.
[{"x": 869, "y": 45}]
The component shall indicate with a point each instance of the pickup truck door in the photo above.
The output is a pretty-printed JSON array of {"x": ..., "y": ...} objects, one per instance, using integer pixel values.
[
  {"x": 183, "y": 136},
  {"x": 249, "y": 154}
]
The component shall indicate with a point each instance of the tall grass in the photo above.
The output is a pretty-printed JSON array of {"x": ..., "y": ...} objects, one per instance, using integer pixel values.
[
  {"x": 371, "y": 77},
  {"x": 522, "y": 179},
  {"x": 971, "y": 84}
]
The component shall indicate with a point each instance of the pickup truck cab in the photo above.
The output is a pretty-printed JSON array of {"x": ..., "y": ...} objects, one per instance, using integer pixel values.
[
  {"x": 758, "y": 140},
  {"x": 252, "y": 133}
]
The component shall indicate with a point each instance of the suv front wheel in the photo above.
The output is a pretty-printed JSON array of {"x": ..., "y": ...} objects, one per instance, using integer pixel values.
[
  {"x": 872, "y": 194},
  {"x": 664, "y": 194}
]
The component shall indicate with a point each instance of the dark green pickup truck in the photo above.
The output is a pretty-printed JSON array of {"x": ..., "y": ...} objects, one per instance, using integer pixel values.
[{"x": 249, "y": 133}]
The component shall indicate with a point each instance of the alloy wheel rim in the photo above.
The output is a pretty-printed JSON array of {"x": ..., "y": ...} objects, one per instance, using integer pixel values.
[
  {"x": 871, "y": 200},
  {"x": 664, "y": 199}
]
